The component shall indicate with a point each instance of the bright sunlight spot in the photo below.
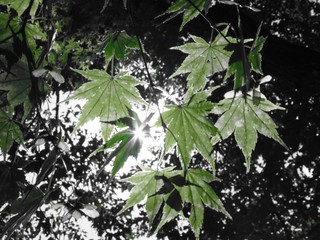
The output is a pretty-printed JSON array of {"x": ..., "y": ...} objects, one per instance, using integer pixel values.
[{"x": 139, "y": 134}]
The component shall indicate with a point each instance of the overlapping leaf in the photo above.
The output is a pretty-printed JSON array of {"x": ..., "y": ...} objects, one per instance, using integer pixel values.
[
  {"x": 204, "y": 59},
  {"x": 117, "y": 45},
  {"x": 168, "y": 191},
  {"x": 237, "y": 61},
  {"x": 245, "y": 119},
  {"x": 108, "y": 98},
  {"x": 9, "y": 132},
  {"x": 189, "y": 129},
  {"x": 17, "y": 83},
  {"x": 200, "y": 194},
  {"x": 125, "y": 143},
  {"x": 145, "y": 185},
  {"x": 254, "y": 56},
  {"x": 189, "y": 11}
]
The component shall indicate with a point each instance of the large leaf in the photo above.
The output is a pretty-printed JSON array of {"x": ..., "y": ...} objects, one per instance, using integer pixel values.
[
  {"x": 108, "y": 98},
  {"x": 189, "y": 11},
  {"x": 26, "y": 206},
  {"x": 189, "y": 129},
  {"x": 35, "y": 195},
  {"x": 18, "y": 85},
  {"x": 168, "y": 191},
  {"x": 204, "y": 60},
  {"x": 245, "y": 119},
  {"x": 9, "y": 131}
]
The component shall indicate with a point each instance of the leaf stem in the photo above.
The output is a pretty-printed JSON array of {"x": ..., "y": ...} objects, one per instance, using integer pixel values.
[
  {"x": 212, "y": 25},
  {"x": 112, "y": 67}
]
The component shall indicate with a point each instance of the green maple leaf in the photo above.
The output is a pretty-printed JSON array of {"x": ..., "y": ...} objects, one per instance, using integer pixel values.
[
  {"x": 200, "y": 194},
  {"x": 204, "y": 60},
  {"x": 125, "y": 143},
  {"x": 236, "y": 63},
  {"x": 118, "y": 45},
  {"x": 18, "y": 84},
  {"x": 168, "y": 191},
  {"x": 145, "y": 184},
  {"x": 108, "y": 98},
  {"x": 254, "y": 56},
  {"x": 9, "y": 131},
  {"x": 189, "y": 11},
  {"x": 245, "y": 119},
  {"x": 189, "y": 129}
]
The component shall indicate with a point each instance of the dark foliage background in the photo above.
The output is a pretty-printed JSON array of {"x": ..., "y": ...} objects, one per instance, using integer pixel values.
[{"x": 276, "y": 200}]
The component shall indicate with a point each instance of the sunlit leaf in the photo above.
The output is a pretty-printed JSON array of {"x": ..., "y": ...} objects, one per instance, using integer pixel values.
[
  {"x": 108, "y": 98},
  {"x": 189, "y": 129},
  {"x": 243, "y": 118},
  {"x": 145, "y": 185},
  {"x": 125, "y": 143},
  {"x": 204, "y": 59},
  {"x": 199, "y": 193}
]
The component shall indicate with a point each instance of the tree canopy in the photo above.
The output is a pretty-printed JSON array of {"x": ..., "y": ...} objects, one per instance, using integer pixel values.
[{"x": 207, "y": 118}]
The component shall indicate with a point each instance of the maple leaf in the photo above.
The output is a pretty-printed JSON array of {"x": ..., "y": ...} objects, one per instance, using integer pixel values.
[
  {"x": 9, "y": 131},
  {"x": 189, "y": 11},
  {"x": 245, "y": 119},
  {"x": 237, "y": 61},
  {"x": 204, "y": 60},
  {"x": 108, "y": 98},
  {"x": 125, "y": 143},
  {"x": 146, "y": 184},
  {"x": 168, "y": 191},
  {"x": 254, "y": 56},
  {"x": 118, "y": 45},
  {"x": 200, "y": 194},
  {"x": 18, "y": 84},
  {"x": 189, "y": 129}
]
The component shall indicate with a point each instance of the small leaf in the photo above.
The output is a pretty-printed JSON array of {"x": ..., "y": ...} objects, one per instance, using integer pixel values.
[
  {"x": 189, "y": 11},
  {"x": 90, "y": 211},
  {"x": 64, "y": 147},
  {"x": 39, "y": 72},
  {"x": 57, "y": 76},
  {"x": 254, "y": 56},
  {"x": 40, "y": 141},
  {"x": 76, "y": 214},
  {"x": 118, "y": 45}
]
